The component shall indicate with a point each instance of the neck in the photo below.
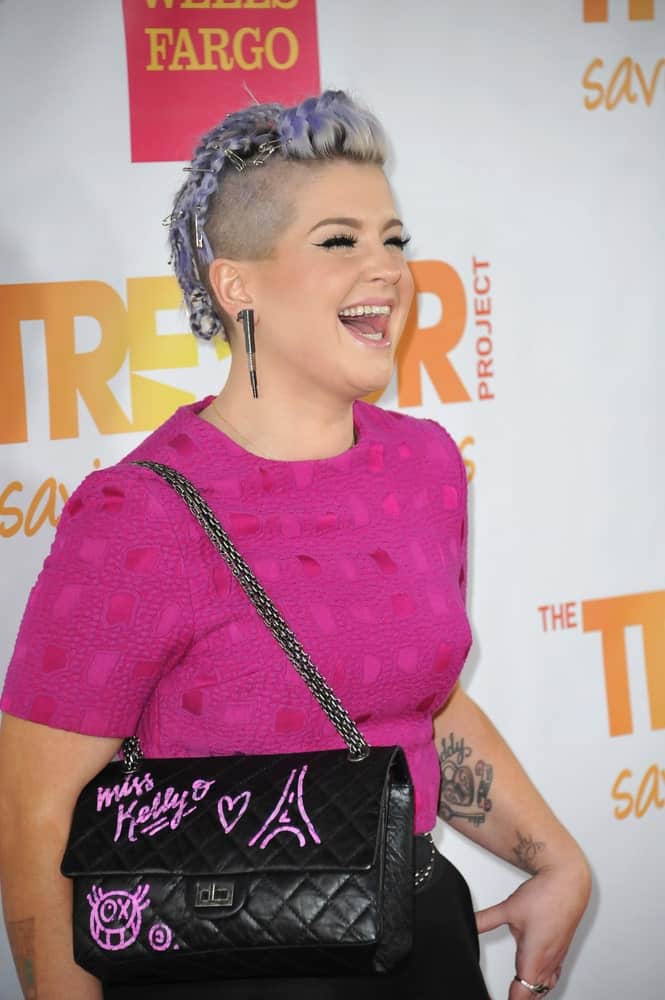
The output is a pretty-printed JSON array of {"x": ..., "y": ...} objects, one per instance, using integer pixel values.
[{"x": 283, "y": 429}]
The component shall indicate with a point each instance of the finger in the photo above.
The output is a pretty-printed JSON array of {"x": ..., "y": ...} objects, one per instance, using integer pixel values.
[
  {"x": 518, "y": 992},
  {"x": 536, "y": 964},
  {"x": 522, "y": 992},
  {"x": 490, "y": 918}
]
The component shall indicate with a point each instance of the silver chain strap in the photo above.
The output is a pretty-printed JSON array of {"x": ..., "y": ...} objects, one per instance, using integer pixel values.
[
  {"x": 421, "y": 875},
  {"x": 331, "y": 705},
  {"x": 132, "y": 754}
]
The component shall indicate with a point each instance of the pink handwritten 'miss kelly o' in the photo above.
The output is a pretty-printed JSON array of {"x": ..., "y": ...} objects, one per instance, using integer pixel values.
[{"x": 166, "y": 808}]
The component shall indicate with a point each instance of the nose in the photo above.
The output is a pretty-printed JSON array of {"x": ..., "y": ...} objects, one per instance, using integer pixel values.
[{"x": 385, "y": 265}]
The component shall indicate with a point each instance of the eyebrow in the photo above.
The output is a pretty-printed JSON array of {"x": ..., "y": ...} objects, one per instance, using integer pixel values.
[{"x": 353, "y": 223}]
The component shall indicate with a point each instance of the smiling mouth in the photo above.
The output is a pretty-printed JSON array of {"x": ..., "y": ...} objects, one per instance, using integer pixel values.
[{"x": 369, "y": 323}]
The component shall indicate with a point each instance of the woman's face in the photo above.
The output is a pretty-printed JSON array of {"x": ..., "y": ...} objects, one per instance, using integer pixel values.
[{"x": 341, "y": 249}]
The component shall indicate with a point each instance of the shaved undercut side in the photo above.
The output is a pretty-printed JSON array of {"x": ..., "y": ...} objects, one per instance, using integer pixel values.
[{"x": 250, "y": 210}]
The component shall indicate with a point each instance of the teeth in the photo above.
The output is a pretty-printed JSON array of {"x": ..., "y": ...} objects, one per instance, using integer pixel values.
[{"x": 366, "y": 311}]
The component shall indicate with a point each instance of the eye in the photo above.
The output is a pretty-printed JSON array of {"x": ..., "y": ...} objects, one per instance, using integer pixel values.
[
  {"x": 349, "y": 240},
  {"x": 398, "y": 241},
  {"x": 345, "y": 240}
]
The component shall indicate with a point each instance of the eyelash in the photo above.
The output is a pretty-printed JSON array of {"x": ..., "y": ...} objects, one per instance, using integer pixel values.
[{"x": 349, "y": 240}]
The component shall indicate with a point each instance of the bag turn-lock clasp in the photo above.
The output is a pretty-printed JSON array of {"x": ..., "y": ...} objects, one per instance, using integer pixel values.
[{"x": 217, "y": 892}]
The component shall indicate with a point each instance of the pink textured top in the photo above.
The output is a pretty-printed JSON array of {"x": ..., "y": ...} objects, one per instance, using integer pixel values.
[{"x": 136, "y": 624}]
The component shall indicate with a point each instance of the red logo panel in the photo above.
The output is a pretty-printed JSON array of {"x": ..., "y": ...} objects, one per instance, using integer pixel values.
[{"x": 189, "y": 61}]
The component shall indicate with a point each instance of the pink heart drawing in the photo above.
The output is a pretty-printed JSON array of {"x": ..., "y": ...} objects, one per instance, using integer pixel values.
[{"x": 227, "y": 806}]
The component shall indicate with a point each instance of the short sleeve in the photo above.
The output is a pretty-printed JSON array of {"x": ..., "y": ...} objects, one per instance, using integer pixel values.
[
  {"x": 453, "y": 471},
  {"x": 109, "y": 614}
]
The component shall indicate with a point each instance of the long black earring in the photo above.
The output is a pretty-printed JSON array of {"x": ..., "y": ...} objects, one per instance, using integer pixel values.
[{"x": 247, "y": 317}]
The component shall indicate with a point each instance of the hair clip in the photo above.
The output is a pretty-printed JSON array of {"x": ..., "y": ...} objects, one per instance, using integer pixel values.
[
  {"x": 198, "y": 235},
  {"x": 267, "y": 149},
  {"x": 236, "y": 160},
  {"x": 168, "y": 220},
  {"x": 263, "y": 152}
]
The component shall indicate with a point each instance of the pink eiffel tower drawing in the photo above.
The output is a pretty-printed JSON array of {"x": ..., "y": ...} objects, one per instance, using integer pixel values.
[{"x": 281, "y": 815}]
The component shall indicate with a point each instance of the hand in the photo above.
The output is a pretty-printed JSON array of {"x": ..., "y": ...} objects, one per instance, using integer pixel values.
[{"x": 542, "y": 914}]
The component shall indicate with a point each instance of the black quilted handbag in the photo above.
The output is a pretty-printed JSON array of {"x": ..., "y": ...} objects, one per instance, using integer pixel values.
[{"x": 227, "y": 867}]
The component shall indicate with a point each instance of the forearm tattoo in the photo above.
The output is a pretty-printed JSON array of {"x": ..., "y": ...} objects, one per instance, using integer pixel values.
[
  {"x": 526, "y": 852},
  {"x": 464, "y": 789},
  {"x": 21, "y": 934}
]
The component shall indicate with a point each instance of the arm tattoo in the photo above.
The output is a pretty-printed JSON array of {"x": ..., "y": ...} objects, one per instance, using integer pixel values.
[
  {"x": 526, "y": 851},
  {"x": 462, "y": 796},
  {"x": 21, "y": 934}
]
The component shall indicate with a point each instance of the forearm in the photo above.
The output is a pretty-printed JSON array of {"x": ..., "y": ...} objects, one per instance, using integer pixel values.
[
  {"x": 487, "y": 796},
  {"x": 37, "y": 904}
]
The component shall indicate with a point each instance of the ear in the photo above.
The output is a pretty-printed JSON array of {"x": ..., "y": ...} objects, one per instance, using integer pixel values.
[{"x": 229, "y": 285}]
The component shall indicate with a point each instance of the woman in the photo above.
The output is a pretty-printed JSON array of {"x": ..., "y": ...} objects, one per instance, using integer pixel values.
[{"x": 353, "y": 518}]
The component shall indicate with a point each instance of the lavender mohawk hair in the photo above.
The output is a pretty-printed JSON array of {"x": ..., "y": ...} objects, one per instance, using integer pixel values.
[{"x": 228, "y": 185}]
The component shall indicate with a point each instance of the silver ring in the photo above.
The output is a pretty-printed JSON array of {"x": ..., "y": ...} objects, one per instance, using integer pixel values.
[{"x": 539, "y": 989}]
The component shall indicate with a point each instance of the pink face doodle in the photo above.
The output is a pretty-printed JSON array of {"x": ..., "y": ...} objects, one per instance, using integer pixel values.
[{"x": 115, "y": 916}]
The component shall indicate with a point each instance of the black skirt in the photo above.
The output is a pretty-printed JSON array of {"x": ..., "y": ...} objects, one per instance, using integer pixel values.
[{"x": 442, "y": 966}]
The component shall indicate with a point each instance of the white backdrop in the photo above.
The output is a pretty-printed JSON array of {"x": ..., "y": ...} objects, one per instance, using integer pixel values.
[{"x": 498, "y": 157}]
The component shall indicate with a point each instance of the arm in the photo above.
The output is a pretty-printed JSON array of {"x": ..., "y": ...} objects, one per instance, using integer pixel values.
[
  {"x": 487, "y": 796},
  {"x": 114, "y": 568},
  {"x": 42, "y": 771}
]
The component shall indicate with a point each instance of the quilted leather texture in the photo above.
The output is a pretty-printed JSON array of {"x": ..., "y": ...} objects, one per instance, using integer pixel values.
[
  {"x": 290, "y": 864},
  {"x": 396, "y": 937}
]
